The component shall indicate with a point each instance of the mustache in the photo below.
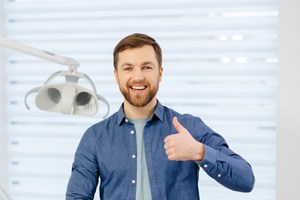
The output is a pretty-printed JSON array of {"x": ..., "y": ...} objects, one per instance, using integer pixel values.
[{"x": 137, "y": 83}]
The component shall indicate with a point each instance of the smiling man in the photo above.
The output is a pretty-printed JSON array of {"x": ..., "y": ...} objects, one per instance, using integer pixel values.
[{"x": 147, "y": 151}]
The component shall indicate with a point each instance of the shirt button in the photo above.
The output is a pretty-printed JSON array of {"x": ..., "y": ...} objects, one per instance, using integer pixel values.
[
  {"x": 133, "y": 181},
  {"x": 133, "y": 156},
  {"x": 131, "y": 132},
  {"x": 126, "y": 120},
  {"x": 219, "y": 175},
  {"x": 205, "y": 166}
]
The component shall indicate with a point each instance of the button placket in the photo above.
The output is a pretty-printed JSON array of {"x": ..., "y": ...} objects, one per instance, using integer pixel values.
[
  {"x": 132, "y": 133},
  {"x": 132, "y": 138}
]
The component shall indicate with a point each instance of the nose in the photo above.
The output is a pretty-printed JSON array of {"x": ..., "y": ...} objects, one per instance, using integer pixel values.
[{"x": 138, "y": 75}]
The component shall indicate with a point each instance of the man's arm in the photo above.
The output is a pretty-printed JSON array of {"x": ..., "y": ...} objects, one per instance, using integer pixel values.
[
  {"x": 85, "y": 174},
  {"x": 228, "y": 168},
  {"x": 213, "y": 155}
]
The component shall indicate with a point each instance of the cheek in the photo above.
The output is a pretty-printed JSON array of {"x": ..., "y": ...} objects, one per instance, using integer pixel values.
[
  {"x": 156, "y": 80},
  {"x": 122, "y": 81}
]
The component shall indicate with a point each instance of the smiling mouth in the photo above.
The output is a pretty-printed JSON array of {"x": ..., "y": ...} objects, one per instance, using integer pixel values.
[{"x": 138, "y": 87}]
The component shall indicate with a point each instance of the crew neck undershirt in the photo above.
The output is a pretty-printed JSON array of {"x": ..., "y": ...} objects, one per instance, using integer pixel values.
[{"x": 143, "y": 191}]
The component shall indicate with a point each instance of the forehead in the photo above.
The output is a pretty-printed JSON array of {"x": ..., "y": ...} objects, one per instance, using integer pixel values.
[{"x": 145, "y": 53}]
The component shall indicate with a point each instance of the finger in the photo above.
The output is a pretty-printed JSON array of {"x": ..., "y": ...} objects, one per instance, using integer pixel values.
[
  {"x": 178, "y": 126},
  {"x": 166, "y": 146},
  {"x": 171, "y": 157},
  {"x": 169, "y": 144},
  {"x": 167, "y": 139},
  {"x": 169, "y": 151}
]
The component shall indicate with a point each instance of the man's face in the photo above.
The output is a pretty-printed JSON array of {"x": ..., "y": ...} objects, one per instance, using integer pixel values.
[{"x": 138, "y": 75}]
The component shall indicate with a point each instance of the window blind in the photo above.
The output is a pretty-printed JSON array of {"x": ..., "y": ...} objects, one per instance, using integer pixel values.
[{"x": 219, "y": 59}]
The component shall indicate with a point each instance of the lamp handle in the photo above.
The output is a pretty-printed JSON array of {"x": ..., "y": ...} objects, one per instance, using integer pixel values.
[
  {"x": 101, "y": 98},
  {"x": 33, "y": 90}
]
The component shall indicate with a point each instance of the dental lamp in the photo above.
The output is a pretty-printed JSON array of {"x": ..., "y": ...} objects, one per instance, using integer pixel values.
[{"x": 67, "y": 97}]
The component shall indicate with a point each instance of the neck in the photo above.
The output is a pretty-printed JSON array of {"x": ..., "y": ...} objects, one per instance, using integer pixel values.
[{"x": 133, "y": 112}]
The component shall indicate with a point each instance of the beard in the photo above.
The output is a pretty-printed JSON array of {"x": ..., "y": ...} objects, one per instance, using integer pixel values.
[{"x": 139, "y": 100}]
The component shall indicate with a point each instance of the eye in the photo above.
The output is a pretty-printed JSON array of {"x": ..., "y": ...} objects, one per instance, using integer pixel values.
[
  {"x": 127, "y": 69},
  {"x": 147, "y": 67}
]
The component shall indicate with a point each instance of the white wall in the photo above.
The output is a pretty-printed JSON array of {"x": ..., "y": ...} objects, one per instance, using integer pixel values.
[{"x": 288, "y": 139}]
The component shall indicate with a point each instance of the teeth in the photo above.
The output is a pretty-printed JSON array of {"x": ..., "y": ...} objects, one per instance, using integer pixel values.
[{"x": 138, "y": 87}]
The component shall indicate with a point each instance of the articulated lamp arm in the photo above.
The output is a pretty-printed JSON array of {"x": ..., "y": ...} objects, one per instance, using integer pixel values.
[{"x": 73, "y": 64}]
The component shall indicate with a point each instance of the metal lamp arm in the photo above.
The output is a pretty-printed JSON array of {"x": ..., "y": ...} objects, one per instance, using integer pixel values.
[{"x": 72, "y": 63}]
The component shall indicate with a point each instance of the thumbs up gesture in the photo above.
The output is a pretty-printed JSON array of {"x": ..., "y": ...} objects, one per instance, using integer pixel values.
[{"x": 182, "y": 146}]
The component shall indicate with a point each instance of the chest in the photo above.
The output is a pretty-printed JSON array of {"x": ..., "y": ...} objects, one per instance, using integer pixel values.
[{"x": 117, "y": 152}]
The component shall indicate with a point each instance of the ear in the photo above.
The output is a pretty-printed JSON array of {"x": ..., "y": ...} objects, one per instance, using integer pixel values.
[
  {"x": 116, "y": 76},
  {"x": 161, "y": 70}
]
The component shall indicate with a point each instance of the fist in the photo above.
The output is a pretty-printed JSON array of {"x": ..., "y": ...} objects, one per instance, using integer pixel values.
[{"x": 182, "y": 146}]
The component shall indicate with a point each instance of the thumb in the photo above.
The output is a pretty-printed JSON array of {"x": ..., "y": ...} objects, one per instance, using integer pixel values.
[{"x": 178, "y": 126}]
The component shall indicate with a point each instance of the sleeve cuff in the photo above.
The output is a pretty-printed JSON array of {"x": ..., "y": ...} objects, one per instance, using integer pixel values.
[{"x": 210, "y": 158}]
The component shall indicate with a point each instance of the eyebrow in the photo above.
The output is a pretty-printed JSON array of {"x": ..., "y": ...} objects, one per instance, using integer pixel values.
[
  {"x": 126, "y": 64},
  {"x": 148, "y": 63},
  {"x": 144, "y": 63}
]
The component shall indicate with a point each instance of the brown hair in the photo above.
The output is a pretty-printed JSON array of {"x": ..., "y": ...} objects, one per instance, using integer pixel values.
[{"x": 137, "y": 40}]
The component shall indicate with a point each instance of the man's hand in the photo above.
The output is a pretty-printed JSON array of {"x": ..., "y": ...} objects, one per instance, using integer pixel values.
[{"x": 182, "y": 146}]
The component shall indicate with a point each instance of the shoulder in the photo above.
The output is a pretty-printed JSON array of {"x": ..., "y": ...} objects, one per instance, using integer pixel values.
[
  {"x": 101, "y": 128},
  {"x": 184, "y": 117},
  {"x": 192, "y": 123}
]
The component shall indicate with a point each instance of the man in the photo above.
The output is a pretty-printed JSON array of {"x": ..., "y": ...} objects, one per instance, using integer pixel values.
[{"x": 146, "y": 150}]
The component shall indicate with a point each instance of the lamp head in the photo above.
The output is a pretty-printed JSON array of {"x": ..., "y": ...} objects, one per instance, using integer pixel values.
[{"x": 68, "y": 97}]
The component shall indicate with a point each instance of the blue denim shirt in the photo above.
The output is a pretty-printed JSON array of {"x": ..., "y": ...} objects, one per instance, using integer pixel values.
[{"x": 107, "y": 151}]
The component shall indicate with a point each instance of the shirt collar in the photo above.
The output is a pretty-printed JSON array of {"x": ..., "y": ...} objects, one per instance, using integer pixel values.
[{"x": 159, "y": 113}]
